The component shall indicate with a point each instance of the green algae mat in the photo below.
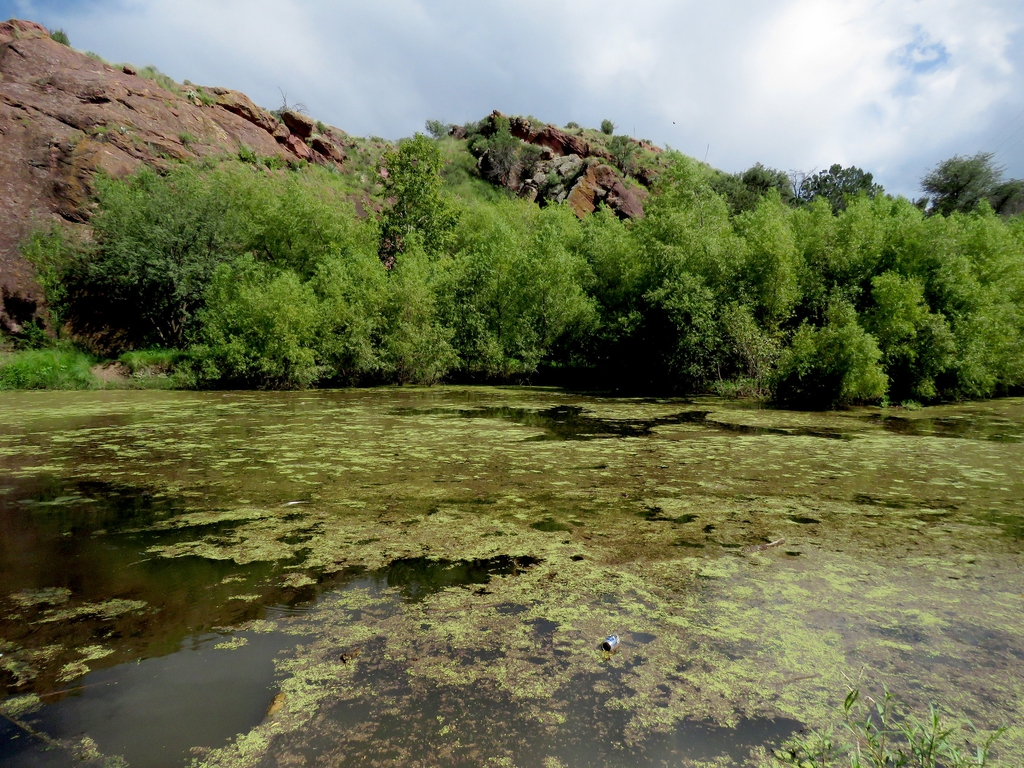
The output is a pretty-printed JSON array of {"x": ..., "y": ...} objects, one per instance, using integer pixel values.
[{"x": 425, "y": 576}]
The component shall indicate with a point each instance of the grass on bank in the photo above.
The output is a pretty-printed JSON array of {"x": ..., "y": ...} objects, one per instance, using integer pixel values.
[
  {"x": 55, "y": 368},
  {"x": 66, "y": 367}
]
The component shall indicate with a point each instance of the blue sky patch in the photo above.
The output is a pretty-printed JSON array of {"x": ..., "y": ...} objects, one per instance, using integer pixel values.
[{"x": 922, "y": 57}]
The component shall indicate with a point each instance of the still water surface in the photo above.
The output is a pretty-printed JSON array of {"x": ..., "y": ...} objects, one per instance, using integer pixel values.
[{"x": 424, "y": 576}]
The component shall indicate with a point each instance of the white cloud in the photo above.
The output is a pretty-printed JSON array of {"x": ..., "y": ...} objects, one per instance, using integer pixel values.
[{"x": 891, "y": 85}]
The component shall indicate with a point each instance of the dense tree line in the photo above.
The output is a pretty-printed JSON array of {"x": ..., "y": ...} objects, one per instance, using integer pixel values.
[{"x": 832, "y": 292}]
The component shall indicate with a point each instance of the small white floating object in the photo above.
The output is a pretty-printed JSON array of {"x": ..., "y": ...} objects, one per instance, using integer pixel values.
[{"x": 293, "y": 503}]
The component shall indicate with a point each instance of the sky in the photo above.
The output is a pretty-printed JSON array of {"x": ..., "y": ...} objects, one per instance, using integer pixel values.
[{"x": 891, "y": 86}]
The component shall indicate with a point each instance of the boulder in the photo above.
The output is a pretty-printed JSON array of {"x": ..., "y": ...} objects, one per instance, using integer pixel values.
[
  {"x": 327, "y": 148},
  {"x": 241, "y": 105},
  {"x": 557, "y": 141},
  {"x": 301, "y": 125}
]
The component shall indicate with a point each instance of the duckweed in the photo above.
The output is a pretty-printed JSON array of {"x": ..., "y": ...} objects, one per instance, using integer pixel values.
[{"x": 450, "y": 576}]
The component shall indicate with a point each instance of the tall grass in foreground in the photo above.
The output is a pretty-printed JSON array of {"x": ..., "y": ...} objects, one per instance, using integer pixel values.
[
  {"x": 881, "y": 734},
  {"x": 56, "y": 368}
]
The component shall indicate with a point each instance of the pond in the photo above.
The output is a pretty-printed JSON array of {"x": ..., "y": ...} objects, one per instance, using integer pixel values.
[{"x": 425, "y": 576}]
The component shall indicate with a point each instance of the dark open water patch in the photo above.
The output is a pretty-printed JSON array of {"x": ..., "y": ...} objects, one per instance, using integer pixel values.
[
  {"x": 75, "y": 572},
  {"x": 566, "y": 422},
  {"x": 972, "y": 426},
  {"x": 153, "y": 712},
  {"x": 169, "y": 699},
  {"x": 419, "y": 577}
]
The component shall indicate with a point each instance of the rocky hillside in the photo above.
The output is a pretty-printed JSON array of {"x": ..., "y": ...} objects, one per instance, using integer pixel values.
[
  {"x": 64, "y": 116},
  {"x": 583, "y": 168}
]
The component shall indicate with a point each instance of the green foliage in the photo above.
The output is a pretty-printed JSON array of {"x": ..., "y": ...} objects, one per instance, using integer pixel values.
[
  {"x": 883, "y": 734},
  {"x": 270, "y": 279},
  {"x": 153, "y": 359},
  {"x": 513, "y": 290},
  {"x": 247, "y": 154},
  {"x": 416, "y": 201},
  {"x": 259, "y": 328},
  {"x": 838, "y": 185},
  {"x": 835, "y": 364},
  {"x": 438, "y": 129},
  {"x": 51, "y": 254},
  {"x": 60, "y": 36},
  {"x": 502, "y": 157},
  {"x": 607, "y": 127},
  {"x": 961, "y": 184},
  {"x": 744, "y": 190},
  {"x": 157, "y": 243},
  {"x": 917, "y": 345},
  {"x": 150, "y": 72},
  {"x": 625, "y": 151},
  {"x": 55, "y": 368}
]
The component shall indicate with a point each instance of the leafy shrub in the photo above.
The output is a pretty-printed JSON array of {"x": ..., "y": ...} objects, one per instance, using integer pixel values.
[
  {"x": 513, "y": 291},
  {"x": 833, "y": 365},
  {"x": 60, "y": 36},
  {"x": 624, "y": 151},
  {"x": 150, "y": 72},
  {"x": 607, "y": 127},
  {"x": 55, "y": 368},
  {"x": 258, "y": 328}
]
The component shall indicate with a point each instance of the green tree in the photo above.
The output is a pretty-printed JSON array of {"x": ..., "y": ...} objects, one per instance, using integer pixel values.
[
  {"x": 438, "y": 129},
  {"x": 259, "y": 328},
  {"x": 744, "y": 190},
  {"x": 917, "y": 345},
  {"x": 624, "y": 150},
  {"x": 961, "y": 183},
  {"x": 838, "y": 185},
  {"x": 415, "y": 199},
  {"x": 607, "y": 127},
  {"x": 513, "y": 292}
]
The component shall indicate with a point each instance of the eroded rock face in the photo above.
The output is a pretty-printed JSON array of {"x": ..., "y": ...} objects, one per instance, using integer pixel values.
[
  {"x": 64, "y": 116},
  {"x": 242, "y": 105},
  {"x": 569, "y": 168},
  {"x": 555, "y": 139}
]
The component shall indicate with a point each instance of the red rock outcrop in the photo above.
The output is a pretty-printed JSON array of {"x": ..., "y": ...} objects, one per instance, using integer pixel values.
[
  {"x": 570, "y": 168},
  {"x": 602, "y": 183},
  {"x": 548, "y": 136},
  {"x": 64, "y": 116}
]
